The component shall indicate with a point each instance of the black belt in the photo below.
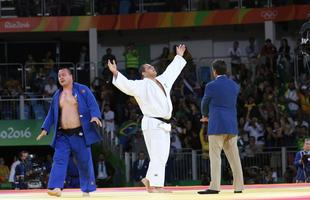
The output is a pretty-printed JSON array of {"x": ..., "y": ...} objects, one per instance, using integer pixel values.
[
  {"x": 168, "y": 121},
  {"x": 72, "y": 131}
]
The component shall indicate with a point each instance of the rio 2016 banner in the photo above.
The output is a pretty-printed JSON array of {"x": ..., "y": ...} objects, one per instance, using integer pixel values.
[
  {"x": 22, "y": 133},
  {"x": 155, "y": 20}
]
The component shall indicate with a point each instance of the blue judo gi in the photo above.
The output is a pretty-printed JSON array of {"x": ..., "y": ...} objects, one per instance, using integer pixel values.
[{"x": 65, "y": 144}]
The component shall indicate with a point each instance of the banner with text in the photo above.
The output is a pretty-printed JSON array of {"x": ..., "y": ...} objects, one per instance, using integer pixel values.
[
  {"x": 22, "y": 133},
  {"x": 155, "y": 20}
]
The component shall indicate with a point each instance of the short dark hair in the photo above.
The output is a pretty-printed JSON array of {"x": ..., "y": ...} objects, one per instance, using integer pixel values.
[
  {"x": 141, "y": 70},
  {"x": 219, "y": 66},
  {"x": 67, "y": 68}
]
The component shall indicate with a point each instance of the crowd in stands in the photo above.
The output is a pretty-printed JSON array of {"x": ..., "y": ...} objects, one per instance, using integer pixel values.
[{"x": 98, "y": 7}]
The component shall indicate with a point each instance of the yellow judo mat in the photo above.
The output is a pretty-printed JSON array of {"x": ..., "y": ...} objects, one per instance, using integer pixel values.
[{"x": 251, "y": 192}]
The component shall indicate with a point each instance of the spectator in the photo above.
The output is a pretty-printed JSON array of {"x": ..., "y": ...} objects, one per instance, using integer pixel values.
[
  {"x": 252, "y": 53},
  {"x": 107, "y": 75},
  {"x": 302, "y": 163},
  {"x": 12, "y": 173},
  {"x": 104, "y": 172},
  {"x": 269, "y": 54},
  {"x": 106, "y": 7},
  {"x": 108, "y": 116},
  {"x": 284, "y": 59},
  {"x": 48, "y": 63},
  {"x": 124, "y": 6},
  {"x": 23, "y": 8},
  {"x": 78, "y": 7},
  {"x": 22, "y": 170},
  {"x": 304, "y": 96},
  {"x": 131, "y": 61},
  {"x": 163, "y": 60},
  {"x": 106, "y": 57},
  {"x": 50, "y": 88},
  {"x": 251, "y": 150},
  {"x": 140, "y": 167},
  {"x": 291, "y": 96},
  {"x": 84, "y": 58},
  {"x": 175, "y": 140},
  {"x": 235, "y": 55},
  {"x": 4, "y": 172},
  {"x": 255, "y": 130}
]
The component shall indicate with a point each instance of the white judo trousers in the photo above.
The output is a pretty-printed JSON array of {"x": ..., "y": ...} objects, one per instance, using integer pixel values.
[{"x": 158, "y": 146}]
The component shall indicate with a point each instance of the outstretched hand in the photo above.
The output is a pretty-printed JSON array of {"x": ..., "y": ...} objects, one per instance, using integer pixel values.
[
  {"x": 112, "y": 67},
  {"x": 180, "y": 49},
  {"x": 41, "y": 135}
]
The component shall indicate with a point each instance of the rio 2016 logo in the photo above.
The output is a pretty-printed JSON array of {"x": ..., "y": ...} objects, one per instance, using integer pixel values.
[{"x": 11, "y": 133}]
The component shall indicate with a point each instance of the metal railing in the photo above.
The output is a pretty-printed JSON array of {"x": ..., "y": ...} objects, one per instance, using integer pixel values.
[
  {"x": 11, "y": 8},
  {"x": 193, "y": 165},
  {"x": 23, "y": 108}
]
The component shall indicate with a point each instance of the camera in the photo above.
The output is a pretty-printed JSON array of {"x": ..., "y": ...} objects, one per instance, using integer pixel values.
[
  {"x": 305, "y": 159},
  {"x": 304, "y": 33}
]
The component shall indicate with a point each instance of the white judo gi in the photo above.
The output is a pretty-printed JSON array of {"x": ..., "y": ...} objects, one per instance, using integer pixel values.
[{"x": 153, "y": 102}]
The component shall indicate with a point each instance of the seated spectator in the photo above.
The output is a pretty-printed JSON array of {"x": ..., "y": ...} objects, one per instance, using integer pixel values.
[
  {"x": 4, "y": 172},
  {"x": 304, "y": 96},
  {"x": 104, "y": 172},
  {"x": 255, "y": 130},
  {"x": 139, "y": 168},
  {"x": 175, "y": 141},
  {"x": 302, "y": 163},
  {"x": 50, "y": 88},
  {"x": 252, "y": 148},
  {"x": 48, "y": 62},
  {"x": 277, "y": 134},
  {"x": 292, "y": 99}
]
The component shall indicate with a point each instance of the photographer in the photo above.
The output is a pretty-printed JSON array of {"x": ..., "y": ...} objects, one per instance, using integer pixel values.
[
  {"x": 302, "y": 163},
  {"x": 23, "y": 169}
]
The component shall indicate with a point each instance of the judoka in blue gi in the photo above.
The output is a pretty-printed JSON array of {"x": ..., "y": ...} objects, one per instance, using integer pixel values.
[{"x": 74, "y": 113}]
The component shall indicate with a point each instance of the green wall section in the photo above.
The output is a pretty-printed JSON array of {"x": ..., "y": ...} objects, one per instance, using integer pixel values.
[{"x": 22, "y": 133}]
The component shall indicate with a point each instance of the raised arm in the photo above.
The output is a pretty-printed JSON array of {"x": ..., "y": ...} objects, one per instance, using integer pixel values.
[
  {"x": 174, "y": 68},
  {"x": 129, "y": 87}
]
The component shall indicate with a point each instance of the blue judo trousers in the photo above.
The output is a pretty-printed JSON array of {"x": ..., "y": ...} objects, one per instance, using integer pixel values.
[{"x": 78, "y": 144}]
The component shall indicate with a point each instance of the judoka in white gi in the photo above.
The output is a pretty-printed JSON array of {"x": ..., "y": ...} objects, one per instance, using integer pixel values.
[{"x": 152, "y": 94}]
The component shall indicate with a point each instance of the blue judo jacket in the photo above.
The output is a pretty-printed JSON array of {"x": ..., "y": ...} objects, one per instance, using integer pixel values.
[{"x": 87, "y": 107}]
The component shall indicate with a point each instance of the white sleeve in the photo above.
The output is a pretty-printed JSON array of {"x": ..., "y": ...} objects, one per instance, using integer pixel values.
[
  {"x": 129, "y": 87},
  {"x": 173, "y": 71}
]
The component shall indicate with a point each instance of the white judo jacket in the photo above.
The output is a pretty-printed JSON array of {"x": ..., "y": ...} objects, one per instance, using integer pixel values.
[{"x": 150, "y": 97}]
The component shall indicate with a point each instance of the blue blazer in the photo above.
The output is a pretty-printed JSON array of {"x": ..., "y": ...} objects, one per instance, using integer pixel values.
[
  {"x": 301, "y": 170},
  {"x": 137, "y": 173},
  {"x": 219, "y": 105},
  {"x": 87, "y": 107}
]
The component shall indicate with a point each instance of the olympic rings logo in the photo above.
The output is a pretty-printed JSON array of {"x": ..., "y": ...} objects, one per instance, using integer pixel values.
[{"x": 269, "y": 14}]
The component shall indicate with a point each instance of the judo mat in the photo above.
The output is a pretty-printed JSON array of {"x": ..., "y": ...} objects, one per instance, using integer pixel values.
[{"x": 251, "y": 192}]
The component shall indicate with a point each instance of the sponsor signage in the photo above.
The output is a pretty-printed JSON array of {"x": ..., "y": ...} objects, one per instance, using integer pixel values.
[{"x": 22, "y": 133}]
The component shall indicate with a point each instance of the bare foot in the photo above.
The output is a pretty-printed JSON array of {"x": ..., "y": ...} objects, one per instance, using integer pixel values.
[
  {"x": 159, "y": 190},
  {"x": 146, "y": 183},
  {"x": 54, "y": 192}
]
